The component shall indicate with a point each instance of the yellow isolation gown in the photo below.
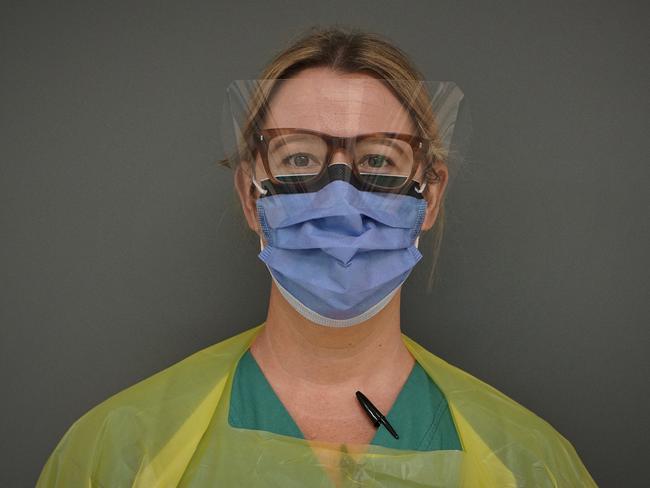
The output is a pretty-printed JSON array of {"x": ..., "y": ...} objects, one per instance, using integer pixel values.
[{"x": 172, "y": 429}]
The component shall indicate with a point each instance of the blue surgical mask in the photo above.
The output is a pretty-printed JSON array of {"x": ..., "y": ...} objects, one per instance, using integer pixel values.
[{"x": 338, "y": 255}]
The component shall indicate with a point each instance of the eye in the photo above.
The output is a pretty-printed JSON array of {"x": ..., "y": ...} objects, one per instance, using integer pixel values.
[
  {"x": 299, "y": 160},
  {"x": 376, "y": 161}
]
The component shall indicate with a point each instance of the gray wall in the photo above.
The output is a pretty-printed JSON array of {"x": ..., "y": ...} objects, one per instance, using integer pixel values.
[{"x": 123, "y": 250}]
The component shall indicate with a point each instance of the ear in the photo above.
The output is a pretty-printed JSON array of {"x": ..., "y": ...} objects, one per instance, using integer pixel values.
[
  {"x": 247, "y": 196},
  {"x": 433, "y": 193}
]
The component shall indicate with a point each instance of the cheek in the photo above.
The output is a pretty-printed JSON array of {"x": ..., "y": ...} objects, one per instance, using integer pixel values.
[
  {"x": 419, "y": 173},
  {"x": 425, "y": 168},
  {"x": 251, "y": 217},
  {"x": 258, "y": 167}
]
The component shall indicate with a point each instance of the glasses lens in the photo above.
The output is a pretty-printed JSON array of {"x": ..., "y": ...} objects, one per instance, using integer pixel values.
[
  {"x": 384, "y": 162},
  {"x": 295, "y": 158},
  {"x": 381, "y": 161}
]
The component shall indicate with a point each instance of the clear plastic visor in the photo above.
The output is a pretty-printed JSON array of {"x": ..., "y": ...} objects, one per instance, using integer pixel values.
[{"x": 296, "y": 135}]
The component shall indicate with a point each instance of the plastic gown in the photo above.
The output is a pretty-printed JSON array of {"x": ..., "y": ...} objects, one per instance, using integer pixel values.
[{"x": 171, "y": 429}]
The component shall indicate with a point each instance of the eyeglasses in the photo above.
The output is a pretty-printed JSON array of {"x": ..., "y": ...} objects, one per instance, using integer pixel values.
[{"x": 380, "y": 160}]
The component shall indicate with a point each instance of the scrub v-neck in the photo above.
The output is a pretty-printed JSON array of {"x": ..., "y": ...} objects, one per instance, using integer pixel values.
[{"x": 420, "y": 413}]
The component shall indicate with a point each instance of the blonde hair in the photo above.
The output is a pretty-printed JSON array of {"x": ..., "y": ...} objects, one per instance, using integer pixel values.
[{"x": 350, "y": 50}]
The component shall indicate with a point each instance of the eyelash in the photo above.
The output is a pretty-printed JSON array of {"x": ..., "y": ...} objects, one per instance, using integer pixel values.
[
  {"x": 288, "y": 158},
  {"x": 389, "y": 161}
]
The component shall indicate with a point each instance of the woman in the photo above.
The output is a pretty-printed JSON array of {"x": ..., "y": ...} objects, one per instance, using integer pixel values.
[{"x": 340, "y": 169}]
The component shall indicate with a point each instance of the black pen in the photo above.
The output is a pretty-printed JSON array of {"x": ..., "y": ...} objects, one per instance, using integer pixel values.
[{"x": 375, "y": 415}]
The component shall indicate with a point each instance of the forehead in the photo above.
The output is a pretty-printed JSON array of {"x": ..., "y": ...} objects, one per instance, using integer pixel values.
[{"x": 339, "y": 104}]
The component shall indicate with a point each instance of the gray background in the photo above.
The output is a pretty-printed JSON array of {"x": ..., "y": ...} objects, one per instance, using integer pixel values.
[{"x": 123, "y": 249}]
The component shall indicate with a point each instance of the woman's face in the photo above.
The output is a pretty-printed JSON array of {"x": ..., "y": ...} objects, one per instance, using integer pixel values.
[{"x": 343, "y": 105}]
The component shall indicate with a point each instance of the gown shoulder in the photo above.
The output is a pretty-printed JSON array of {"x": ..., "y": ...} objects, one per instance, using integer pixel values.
[{"x": 136, "y": 424}]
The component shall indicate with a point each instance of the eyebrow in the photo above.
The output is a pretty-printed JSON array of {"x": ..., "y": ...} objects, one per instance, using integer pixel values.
[{"x": 286, "y": 139}]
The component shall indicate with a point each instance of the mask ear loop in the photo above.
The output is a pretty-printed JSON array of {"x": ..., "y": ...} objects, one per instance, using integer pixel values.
[
  {"x": 256, "y": 183},
  {"x": 419, "y": 189},
  {"x": 263, "y": 191}
]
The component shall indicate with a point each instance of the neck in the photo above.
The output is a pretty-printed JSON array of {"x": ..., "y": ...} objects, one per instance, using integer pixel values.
[{"x": 320, "y": 355}]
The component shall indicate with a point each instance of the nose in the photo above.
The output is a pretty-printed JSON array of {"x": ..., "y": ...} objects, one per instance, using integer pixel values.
[{"x": 342, "y": 154}]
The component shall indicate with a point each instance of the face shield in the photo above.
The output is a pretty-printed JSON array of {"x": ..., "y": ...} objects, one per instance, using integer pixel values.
[{"x": 344, "y": 171}]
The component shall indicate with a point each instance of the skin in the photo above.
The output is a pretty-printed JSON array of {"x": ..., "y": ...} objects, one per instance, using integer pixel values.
[{"x": 314, "y": 369}]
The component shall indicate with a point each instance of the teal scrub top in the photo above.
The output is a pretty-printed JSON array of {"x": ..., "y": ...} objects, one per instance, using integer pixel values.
[{"x": 420, "y": 414}]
